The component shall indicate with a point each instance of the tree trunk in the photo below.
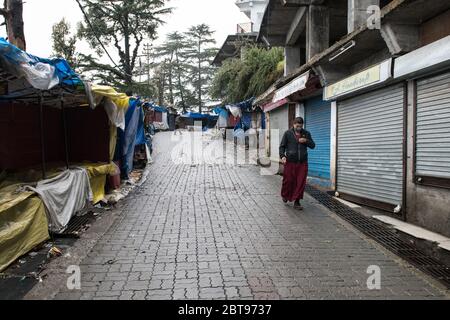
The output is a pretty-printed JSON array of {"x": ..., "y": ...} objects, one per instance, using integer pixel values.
[
  {"x": 171, "y": 97},
  {"x": 199, "y": 77},
  {"x": 13, "y": 13},
  {"x": 127, "y": 62},
  {"x": 161, "y": 89},
  {"x": 180, "y": 87}
]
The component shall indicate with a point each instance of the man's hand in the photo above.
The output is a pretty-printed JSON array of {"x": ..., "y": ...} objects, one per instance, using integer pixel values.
[
  {"x": 303, "y": 140},
  {"x": 283, "y": 160}
]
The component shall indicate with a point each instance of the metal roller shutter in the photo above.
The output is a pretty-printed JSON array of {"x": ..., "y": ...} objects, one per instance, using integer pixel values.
[
  {"x": 433, "y": 127},
  {"x": 370, "y": 145},
  {"x": 318, "y": 122}
]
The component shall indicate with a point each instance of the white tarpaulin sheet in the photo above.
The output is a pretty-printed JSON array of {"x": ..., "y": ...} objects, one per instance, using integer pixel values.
[
  {"x": 235, "y": 111},
  {"x": 165, "y": 120},
  {"x": 222, "y": 122},
  {"x": 64, "y": 196},
  {"x": 115, "y": 115}
]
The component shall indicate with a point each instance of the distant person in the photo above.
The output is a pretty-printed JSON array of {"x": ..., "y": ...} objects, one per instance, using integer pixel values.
[
  {"x": 294, "y": 155},
  {"x": 178, "y": 125}
]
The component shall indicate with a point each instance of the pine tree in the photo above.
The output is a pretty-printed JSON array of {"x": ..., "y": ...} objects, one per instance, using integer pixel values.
[
  {"x": 125, "y": 25},
  {"x": 240, "y": 79},
  {"x": 200, "y": 54},
  {"x": 64, "y": 44}
]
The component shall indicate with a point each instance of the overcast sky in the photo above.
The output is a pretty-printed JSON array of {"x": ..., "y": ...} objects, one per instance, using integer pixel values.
[{"x": 40, "y": 15}]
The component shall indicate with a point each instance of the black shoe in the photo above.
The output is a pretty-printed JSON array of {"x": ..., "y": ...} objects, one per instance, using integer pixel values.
[
  {"x": 285, "y": 200},
  {"x": 297, "y": 205}
]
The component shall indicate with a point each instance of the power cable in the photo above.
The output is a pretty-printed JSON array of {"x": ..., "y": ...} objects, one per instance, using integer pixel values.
[{"x": 98, "y": 38}]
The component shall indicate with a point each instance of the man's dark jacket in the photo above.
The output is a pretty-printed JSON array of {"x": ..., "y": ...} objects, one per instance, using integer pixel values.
[{"x": 292, "y": 149}]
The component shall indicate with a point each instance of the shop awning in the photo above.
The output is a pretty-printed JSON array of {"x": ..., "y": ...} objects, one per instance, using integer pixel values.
[
  {"x": 292, "y": 87},
  {"x": 273, "y": 105}
]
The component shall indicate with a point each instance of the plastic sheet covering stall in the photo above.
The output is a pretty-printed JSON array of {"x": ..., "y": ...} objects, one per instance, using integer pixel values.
[
  {"x": 23, "y": 223},
  {"x": 43, "y": 74},
  {"x": 115, "y": 103},
  {"x": 64, "y": 196},
  {"x": 97, "y": 173},
  {"x": 126, "y": 140},
  {"x": 222, "y": 122}
]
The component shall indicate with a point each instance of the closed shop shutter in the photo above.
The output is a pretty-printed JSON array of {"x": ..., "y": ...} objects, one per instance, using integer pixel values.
[
  {"x": 318, "y": 123},
  {"x": 433, "y": 127},
  {"x": 370, "y": 145}
]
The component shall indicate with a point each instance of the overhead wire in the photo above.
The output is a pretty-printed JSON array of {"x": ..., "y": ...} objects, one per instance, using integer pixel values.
[{"x": 98, "y": 38}]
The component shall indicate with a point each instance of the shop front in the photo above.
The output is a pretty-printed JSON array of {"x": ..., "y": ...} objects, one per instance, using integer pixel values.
[
  {"x": 302, "y": 98},
  {"x": 317, "y": 116},
  {"x": 371, "y": 131},
  {"x": 426, "y": 71}
]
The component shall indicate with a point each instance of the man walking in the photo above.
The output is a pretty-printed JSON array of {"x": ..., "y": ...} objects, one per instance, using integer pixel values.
[{"x": 294, "y": 155}]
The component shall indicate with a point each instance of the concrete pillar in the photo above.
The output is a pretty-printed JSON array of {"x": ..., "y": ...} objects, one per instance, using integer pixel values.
[
  {"x": 317, "y": 30},
  {"x": 333, "y": 144},
  {"x": 293, "y": 59},
  {"x": 357, "y": 13}
]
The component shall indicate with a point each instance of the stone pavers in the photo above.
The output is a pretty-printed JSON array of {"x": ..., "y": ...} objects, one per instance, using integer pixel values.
[{"x": 220, "y": 231}]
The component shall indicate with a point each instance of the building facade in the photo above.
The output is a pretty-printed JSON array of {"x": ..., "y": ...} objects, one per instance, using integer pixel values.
[
  {"x": 381, "y": 107},
  {"x": 254, "y": 10}
]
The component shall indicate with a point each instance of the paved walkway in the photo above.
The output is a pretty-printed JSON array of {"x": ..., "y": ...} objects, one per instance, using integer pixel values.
[{"x": 221, "y": 232}]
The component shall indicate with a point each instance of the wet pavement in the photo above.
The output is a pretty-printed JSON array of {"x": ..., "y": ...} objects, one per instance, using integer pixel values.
[{"x": 221, "y": 231}]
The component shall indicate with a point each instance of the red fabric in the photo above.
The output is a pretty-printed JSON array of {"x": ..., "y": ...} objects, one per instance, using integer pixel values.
[{"x": 294, "y": 181}]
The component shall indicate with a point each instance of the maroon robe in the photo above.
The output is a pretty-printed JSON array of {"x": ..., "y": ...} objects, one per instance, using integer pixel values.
[{"x": 294, "y": 180}]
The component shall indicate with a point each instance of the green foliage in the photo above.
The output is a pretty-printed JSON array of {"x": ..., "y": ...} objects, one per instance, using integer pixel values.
[
  {"x": 249, "y": 76},
  {"x": 173, "y": 63},
  {"x": 64, "y": 44},
  {"x": 200, "y": 54},
  {"x": 125, "y": 25},
  {"x": 183, "y": 71}
]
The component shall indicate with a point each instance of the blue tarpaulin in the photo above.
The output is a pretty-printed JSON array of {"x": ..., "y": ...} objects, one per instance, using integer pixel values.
[
  {"x": 194, "y": 115},
  {"x": 140, "y": 136},
  {"x": 246, "y": 106},
  {"x": 133, "y": 136},
  {"x": 221, "y": 111},
  {"x": 246, "y": 120},
  {"x": 42, "y": 74},
  {"x": 263, "y": 120},
  {"x": 155, "y": 107},
  {"x": 160, "y": 109}
]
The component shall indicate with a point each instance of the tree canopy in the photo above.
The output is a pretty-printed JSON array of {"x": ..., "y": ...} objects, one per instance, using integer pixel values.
[
  {"x": 201, "y": 52},
  {"x": 249, "y": 76},
  {"x": 64, "y": 44},
  {"x": 123, "y": 24},
  {"x": 183, "y": 71}
]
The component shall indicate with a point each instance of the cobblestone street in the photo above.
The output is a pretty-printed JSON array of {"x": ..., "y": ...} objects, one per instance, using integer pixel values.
[{"x": 222, "y": 232}]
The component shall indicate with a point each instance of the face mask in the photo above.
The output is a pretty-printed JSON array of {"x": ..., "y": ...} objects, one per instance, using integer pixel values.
[{"x": 298, "y": 129}]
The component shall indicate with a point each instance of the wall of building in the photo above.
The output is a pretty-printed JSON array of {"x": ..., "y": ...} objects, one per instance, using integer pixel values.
[
  {"x": 254, "y": 10},
  {"x": 428, "y": 207}
]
